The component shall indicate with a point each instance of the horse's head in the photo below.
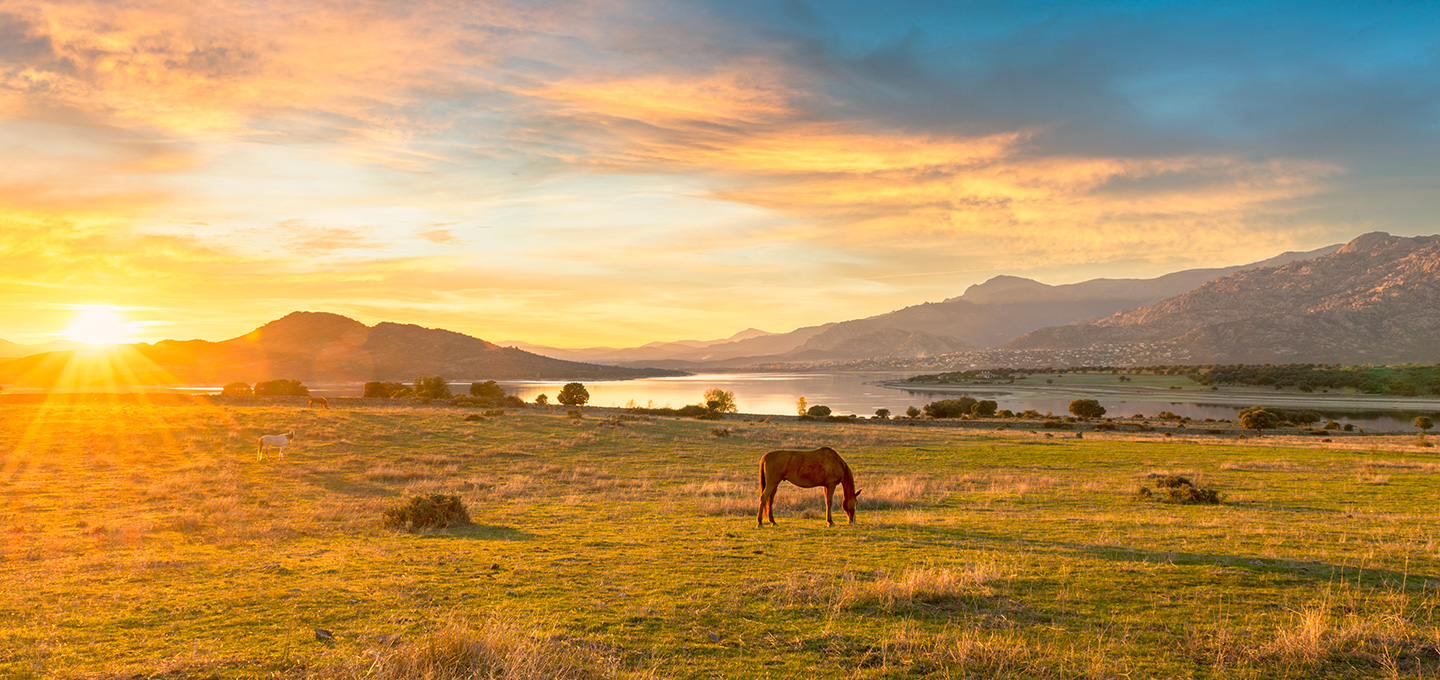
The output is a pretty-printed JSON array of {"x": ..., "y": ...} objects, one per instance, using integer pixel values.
[{"x": 849, "y": 505}]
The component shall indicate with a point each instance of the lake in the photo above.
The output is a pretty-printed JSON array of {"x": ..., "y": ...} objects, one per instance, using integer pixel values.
[{"x": 846, "y": 393}]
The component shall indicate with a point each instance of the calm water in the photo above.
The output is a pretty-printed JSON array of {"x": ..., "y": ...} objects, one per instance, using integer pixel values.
[{"x": 846, "y": 393}]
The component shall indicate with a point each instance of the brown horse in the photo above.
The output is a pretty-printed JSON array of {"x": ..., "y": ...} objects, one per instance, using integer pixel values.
[
  {"x": 806, "y": 469},
  {"x": 319, "y": 401}
]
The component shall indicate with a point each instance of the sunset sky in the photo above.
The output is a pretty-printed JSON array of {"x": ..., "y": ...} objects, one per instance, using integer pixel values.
[{"x": 622, "y": 171}]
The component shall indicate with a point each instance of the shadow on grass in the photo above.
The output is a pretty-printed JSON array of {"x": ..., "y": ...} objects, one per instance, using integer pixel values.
[
  {"x": 1300, "y": 569},
  {"x": 343, "y": 483},
  {"x": 479, "y": 532}
]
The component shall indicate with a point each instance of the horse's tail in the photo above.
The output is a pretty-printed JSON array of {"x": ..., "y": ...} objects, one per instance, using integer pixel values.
[{"x": 762, "y": 474}]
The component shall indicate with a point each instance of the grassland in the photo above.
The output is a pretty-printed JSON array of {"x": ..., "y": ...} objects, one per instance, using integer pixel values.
[{"x": 148, "y": 541}]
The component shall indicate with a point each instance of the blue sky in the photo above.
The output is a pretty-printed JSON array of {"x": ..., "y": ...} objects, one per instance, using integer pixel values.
[{"x": 612, "y": 173}]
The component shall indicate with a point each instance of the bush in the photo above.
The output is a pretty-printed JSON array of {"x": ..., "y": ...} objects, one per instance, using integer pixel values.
[
  {"x": 724, "y": 400},
  {"x": 1258, "y": 418},
  {"x": 573, "y": 394},
  {"x": 882, "y": 414},
  {"x": 575, "y": 413},
  {"x": 487, "y": 390},
  {"x": 818, "y": 411},
  {"x": 912, "y": 412},
  {"x": 721, "y": 432},
  {"x": 1424, "y": 423},
  {"x": 984, "y": 408},
  {"x": 542, "y": 399},
  {"x": 387, "y": 390},
  {"x": 237, "y": 389},
  {"x": 950, "y": 408},
  {"x": 1173, "y": 482},
  {"x": 433, "y": 387},
  {"x": 1087, "y": 408},
  {"x": 424, "y": 512},
  {"x": 281, "y": 388}
]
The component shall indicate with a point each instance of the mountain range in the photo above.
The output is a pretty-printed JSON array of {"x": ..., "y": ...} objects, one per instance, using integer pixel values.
[
  {"x": 321, "y": 347},
  {"x": 988, "y": 314},
  {"x": 1374, "y": 300}
]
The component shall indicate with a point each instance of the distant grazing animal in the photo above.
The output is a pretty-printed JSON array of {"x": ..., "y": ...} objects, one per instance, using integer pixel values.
[
  {"x": 319, "y": 401},
  {"x": 279, "y": 441},
  {"x": 806, "y": 469}
]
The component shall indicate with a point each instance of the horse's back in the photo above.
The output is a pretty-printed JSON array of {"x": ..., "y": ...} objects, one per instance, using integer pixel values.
[{"x": 822, "y": 466}]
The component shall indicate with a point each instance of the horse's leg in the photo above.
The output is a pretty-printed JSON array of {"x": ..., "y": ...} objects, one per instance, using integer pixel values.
[
  {"x": 829, "y": 499},
  {"x": 767, "y": 502}
]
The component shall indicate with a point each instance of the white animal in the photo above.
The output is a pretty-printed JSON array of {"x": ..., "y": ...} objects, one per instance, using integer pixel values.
[{"x": 277, "y": 440}]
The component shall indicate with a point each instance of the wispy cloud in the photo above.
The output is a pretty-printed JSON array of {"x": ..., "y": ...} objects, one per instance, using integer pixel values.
[{"x": 634, "y": 163}]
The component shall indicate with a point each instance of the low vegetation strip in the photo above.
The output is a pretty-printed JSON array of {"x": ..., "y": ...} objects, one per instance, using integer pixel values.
[{"x": 147, "y": 541}]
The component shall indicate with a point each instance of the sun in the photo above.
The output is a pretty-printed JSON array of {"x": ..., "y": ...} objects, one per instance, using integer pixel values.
[{"x": 99, "y": 325}]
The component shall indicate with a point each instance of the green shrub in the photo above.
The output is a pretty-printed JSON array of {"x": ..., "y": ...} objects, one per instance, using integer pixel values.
[
  {"x": 426, "y": 512},
  {"x": 1173, "y": 482},
  {"x": 950, "y": 408},
  {"x": 818, "y": 411},
  {"x": 237, "y": 389},
  {"x": 281, "y": 388}
]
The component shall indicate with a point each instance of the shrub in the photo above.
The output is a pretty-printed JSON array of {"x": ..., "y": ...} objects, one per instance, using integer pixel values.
[
  {"x": 1258, "y": 418},
  {"x": 542, "y": 399},
  {"x": 724, "y": 400},
  {"x": 912, "y": 412},
  {"x": 487, "y": 390},
  {"x": 1056, "y": 424},
  {"x": 984, "y": 408},
  {"x": 433, "y": 387},
  {"x": 1424, "y": 423},
  {"x": 423, "y": 512},
  {"x": 720, "y": 432},
  {"x": 1332, "y": 425},
  {"x": 1307, "y": 417},
  {"x": 882, "y": 414},
  {"x": 281, "y": 388},
  {"x": 575, "y": 413},
  {"x": 386, "y": 390},
  {"x": 950, "y": 408},
  {"x": 1105, "y": 426},
  {"x": 237, "y": 389},
  {"x": 573, "y": 394},
  {"x": 1173, "y": 482},
  {"x": 818, "y": 411}
]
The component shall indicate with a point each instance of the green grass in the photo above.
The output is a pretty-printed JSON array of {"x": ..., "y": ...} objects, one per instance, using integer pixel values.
[{"x": 151, "y": 541}]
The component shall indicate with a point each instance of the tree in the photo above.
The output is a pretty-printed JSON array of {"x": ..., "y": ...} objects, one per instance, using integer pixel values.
[
  {"x": 1257, "y": 418},
  {"x": 386, "y": 390},
  {"x": 573, "y": 394},
  {"x": 950, "y": 408},
  {"x": 542, "y": 399},
  {"x": 818, "y": 411},
  {"x": 912, "y": 412},
  {"x": 432, "y": 388},
  {"x": 1424, "y": 423},
  {"x": 882, "y": 414},
  {"x": 1307, "y": 417},
  {"x": 724, "y": 400},
  {"x": 984, "y": 408},
  {"x": 487, "y": 390},
  {"x": 1087, "y": 408},
  {"x": 237, "y": 389},
  {"x": 281, "y": 388},
  {"x": 800, "y": 406}
]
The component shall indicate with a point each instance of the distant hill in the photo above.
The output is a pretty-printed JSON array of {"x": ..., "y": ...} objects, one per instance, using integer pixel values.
[
  {"x": 1373, "y": 300},
  {"x": 323, "y": 347},
  {"x": 988, "y": 314}
]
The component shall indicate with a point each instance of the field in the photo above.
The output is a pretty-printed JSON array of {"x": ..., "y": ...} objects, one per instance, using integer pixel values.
[{"x": 149, "y": 541}]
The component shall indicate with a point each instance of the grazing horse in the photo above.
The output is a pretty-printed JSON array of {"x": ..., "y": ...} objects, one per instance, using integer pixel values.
[
  {"x": 319, "y": 401},
  {"x": 806, "y": 469},
  {"x": 279, "y": 441}
]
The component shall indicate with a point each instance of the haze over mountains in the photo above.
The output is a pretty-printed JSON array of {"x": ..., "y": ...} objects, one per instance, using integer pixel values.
[
  {"x": 988, "y": 314},
  {"x": 323, "y": 347},
  {"x": 1374, "y": 299}
]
